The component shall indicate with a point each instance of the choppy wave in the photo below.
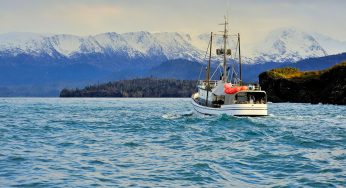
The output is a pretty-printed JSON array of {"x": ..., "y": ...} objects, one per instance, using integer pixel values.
[{"x": 162, "y": 143}]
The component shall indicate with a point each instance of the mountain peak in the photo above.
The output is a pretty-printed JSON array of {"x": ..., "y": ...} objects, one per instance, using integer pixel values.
[{"x": 285, "y": 44}]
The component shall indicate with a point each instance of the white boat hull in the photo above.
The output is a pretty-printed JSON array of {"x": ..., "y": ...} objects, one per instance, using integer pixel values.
[{"x": 233, "y": 109}]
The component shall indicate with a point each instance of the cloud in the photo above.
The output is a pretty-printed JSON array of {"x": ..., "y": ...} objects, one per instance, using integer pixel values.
[{"x": 252, "y": 18}]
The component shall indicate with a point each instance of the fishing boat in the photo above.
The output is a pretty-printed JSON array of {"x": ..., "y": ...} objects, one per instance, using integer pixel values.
[{"x": 228, "y": 94}]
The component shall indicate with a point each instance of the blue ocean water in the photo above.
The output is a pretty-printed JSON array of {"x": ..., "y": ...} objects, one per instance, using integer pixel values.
[{"x": 51, "y": 142}]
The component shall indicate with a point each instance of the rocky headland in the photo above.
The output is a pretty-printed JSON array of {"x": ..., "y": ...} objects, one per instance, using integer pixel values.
[{"x": 291, "y": 85}]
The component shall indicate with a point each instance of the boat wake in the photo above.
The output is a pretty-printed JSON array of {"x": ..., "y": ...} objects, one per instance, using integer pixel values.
[{"x": 177, "y": 115}]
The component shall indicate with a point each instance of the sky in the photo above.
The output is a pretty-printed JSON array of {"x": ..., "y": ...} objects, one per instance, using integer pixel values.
[{"x": 252, "y": 18}]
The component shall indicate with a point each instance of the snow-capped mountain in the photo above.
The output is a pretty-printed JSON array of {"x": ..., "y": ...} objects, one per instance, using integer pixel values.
[
  {"x": 282, "y": 45},
  {"x": 41, "y": 64},
  {"x": 18, "y": 43},
  {"x": 133, "y": 45},
  {"x": 332, "y": 46},
  {"x": 287, "y": 45}
]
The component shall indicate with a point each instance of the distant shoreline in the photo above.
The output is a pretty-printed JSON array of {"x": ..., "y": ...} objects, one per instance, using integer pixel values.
[{"x": 136, "y": 88}]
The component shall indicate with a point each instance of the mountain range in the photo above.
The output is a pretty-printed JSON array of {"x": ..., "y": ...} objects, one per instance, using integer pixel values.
[
  {"x": 48, "y": 62},
  {"x": 281, "y": 45}
]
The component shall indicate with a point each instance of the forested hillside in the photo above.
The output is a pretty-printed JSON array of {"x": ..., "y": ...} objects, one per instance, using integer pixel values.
[{"x": 145, "y": 87}]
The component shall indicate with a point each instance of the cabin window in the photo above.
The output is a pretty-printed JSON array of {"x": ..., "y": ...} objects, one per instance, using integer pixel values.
[
  {"x": 251, "y": 98},
  {"x": 241, "y": 98}
]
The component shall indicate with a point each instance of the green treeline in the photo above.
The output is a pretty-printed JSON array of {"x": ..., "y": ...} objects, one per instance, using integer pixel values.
[{"x": 144, "y": 87}]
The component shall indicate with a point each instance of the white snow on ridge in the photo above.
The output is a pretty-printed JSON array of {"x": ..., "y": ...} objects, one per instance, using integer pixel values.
[
  {"x": 287, "y": 45},
  {"x": 143, "y": 43},
  {"x": 280, "y": 45},
  {"x": 332, "y": 46},
  {"x": 112, "y": 42},
  {"x": 66, "y": 45},
  {"x": 17, "y": 43},
  {"x": 175, "y": 46}
]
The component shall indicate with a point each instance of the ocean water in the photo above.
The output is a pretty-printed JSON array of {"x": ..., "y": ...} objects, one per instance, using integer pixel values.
[{"x": 51, "y": 142}]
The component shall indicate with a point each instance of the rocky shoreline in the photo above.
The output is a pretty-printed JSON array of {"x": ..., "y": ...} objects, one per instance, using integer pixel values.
[
  {"x": 282, "y": 85},
  {"x": 291, "y": 85}
]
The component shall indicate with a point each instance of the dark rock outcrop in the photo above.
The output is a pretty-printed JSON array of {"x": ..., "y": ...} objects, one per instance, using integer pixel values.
[{"x": 291, "y": 85}]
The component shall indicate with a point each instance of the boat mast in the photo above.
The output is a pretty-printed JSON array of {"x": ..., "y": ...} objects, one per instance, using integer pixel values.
[
  {"x": 224, "y": 77},
  {"x": 208, "y": 70},
  {"x": 209, "y": 62},
  {"x": 240, "y": 67}
]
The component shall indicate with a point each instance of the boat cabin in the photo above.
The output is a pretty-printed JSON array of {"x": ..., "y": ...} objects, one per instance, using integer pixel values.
[
  {"x": 246, "y": 97},
  {"x": 253, "y": 95}
]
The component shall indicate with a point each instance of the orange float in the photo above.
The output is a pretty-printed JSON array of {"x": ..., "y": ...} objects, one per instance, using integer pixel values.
[{"x": 228, "y": 89}]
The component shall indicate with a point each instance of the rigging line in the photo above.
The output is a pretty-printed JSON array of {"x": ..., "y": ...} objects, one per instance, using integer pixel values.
[
  {"x": 217, "y": 68},
  {"x": 205, "y": 56},
  {"x": 199, "y": 76},
  {"x": 234, "y": 73},
  {"x": 235, "y": 56},
  {"x": 206, "y": 52},
  {"x": 232, "y": 64}
]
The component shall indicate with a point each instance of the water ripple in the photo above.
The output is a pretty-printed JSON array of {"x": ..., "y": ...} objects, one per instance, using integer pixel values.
[{"x": 162, "y": 143}]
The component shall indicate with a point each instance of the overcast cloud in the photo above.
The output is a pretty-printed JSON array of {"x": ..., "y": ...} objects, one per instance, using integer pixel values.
[{"x": 253, "y": 19}]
